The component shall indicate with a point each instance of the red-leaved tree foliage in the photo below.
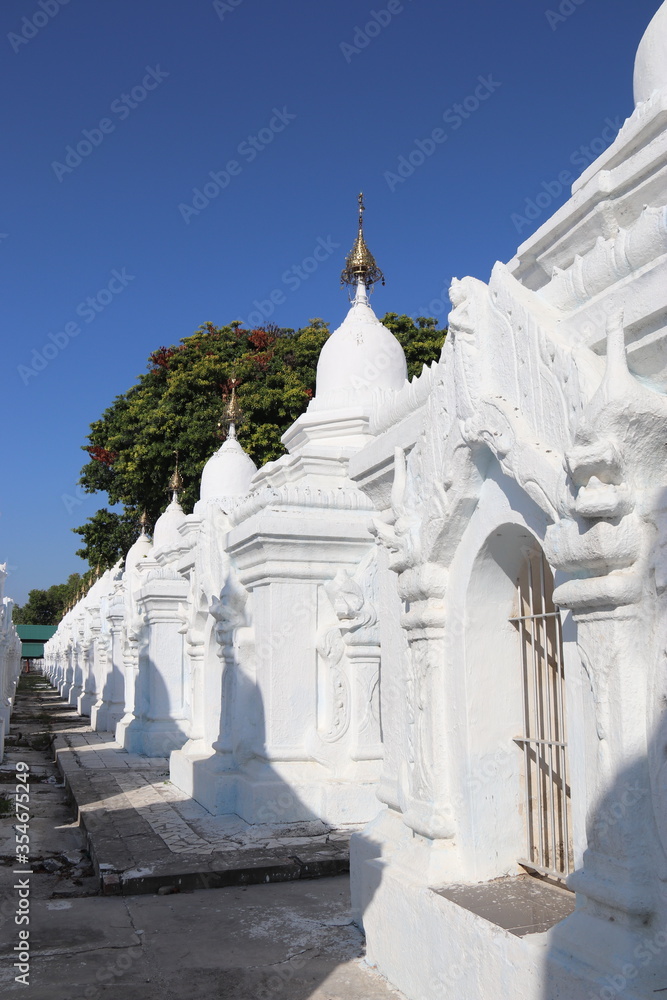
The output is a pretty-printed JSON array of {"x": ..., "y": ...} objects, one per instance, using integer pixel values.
[
  {"x": 103, "y": 455},
  {"x": 162, "y": 357},
  {"x": 179, "y": 404}
]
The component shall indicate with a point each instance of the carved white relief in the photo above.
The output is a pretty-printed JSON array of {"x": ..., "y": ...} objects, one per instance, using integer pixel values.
[{"x": 350, "y": 654}]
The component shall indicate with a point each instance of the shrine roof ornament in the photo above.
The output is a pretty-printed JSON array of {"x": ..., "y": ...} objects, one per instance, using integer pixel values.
[
  {"x": 232, "y": 415},
  {"x": 362, "y": 358},
  {"x": 228, "y": 473},
  {"x": 141, "y": 548},
  {"x": 176, "y": 482},
  {"x": 360, "y": 265}
]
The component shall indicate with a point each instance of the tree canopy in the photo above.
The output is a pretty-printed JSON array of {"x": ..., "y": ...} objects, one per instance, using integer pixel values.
[
  {"x": 46, "y": 607},
  {"x": 175, "y": 407}
]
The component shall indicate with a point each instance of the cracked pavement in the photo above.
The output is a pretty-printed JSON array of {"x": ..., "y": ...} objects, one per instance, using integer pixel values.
[{"x": 292, "y": 940}]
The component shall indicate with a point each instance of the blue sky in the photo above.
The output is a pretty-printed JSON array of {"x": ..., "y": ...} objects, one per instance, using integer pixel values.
[{"x": 278, "y": 114}]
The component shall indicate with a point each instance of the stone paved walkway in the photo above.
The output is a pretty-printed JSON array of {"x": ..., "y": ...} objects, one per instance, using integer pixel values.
[
  {"x": 144, "y": 833},
  {"x": 285, "y": 941}
]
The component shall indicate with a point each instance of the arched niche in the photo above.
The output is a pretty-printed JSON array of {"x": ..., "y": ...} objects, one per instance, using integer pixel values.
[{"x": 500, "y": 784}]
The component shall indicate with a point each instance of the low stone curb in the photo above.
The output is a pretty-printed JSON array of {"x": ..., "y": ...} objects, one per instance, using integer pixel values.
[{"x": 111, "y": 834}]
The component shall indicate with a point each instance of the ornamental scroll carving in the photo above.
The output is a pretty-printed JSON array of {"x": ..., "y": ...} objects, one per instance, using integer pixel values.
[{"x": 350, "y": 655}]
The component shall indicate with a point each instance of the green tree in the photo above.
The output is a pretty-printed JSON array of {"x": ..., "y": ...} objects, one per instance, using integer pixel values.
[
  {"x": 176, "y": 405},
  {"x": 422, "y": 342},
  {"x": 107, "y": 536},
  {"x": 46, "y": 607}
]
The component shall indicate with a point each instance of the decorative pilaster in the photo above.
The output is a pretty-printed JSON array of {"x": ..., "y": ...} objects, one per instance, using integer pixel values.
[
  {"x": 160, "y": 723},
  {"x": 606, "y": 547}
]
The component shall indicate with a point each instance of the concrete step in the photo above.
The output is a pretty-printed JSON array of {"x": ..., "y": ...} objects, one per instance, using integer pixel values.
[{"x": 144, "y": 835}]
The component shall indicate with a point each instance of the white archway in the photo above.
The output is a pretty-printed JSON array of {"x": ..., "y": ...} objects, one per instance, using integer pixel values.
[{"x": 514, "y": 737}]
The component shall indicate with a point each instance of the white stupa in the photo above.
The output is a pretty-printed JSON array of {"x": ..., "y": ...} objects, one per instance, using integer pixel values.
[
  {"x": 362, "y": 359},
  {"x": 228, "y": 473},
  {"x": 361, "y": 355},
  {"x": 166, "y": 534},
  {"x": 361, "y": 365},
  {"x": 651, "y": 60},
  {"x": 140, "y": 550}
]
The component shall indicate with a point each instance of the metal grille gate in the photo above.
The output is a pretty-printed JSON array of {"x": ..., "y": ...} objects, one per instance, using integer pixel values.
[{"x": 547, "y": 794}]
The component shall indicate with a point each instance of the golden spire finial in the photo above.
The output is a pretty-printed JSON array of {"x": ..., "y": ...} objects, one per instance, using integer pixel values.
[
  {"x": 233, "y": 412},
  {"x": 360, "y": 263},
  {"x": 143, "y": 522},
  {"x": 176, "y": 482},
  {"x": 232, "y": 415}
]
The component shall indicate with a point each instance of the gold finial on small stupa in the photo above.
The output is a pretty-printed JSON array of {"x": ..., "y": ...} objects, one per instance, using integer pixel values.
[
  {"x": 233, "y": 412},
  {"x": 360, "y": 263},
  {"x": 143, "y": 522},
  {"x": 232, "y": 415},
  {"x": 176, "y": 482}
]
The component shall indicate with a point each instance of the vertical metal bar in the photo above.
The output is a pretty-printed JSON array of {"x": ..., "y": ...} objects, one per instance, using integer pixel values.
[
  {"x": 540, "y": 807},
  {"x": 550, "y": 735},
  {"x": 526, "y": 722},
  {"x": 563, "y": 738},
  {"x": 548, "y": 818}
]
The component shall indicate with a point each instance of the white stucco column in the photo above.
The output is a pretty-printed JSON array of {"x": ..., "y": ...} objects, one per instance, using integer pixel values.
[
  {"x": 286, "y": 767},
  {"x": 67, "y": 677},
  {"x": 109, "y": 709},
  {"x": 160, "y": 722},
  {"x": 76, "y": 686}
]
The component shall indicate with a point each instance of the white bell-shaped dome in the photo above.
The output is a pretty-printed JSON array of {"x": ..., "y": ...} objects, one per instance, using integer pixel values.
[
  {"x": 227, "y": 473},
  {"x": 651, "y": 61},
  {"x": 166, "y": 533},
  {"x": 139, "y": 551},
  {"x": 360, "y": 357}
]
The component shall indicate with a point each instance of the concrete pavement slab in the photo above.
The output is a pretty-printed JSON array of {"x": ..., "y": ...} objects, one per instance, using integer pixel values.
[
  {"x": 135, "y": 820},
  {"x": 288, "y": 941},
  {"x": 285, "y": 940}
]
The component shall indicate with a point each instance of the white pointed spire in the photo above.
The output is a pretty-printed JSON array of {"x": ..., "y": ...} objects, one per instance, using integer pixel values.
[
  {"x": 166, "y": 533},
  {"x": 361, "y": 357},
  {"x": 139, "y": 551},
  {"x": 228, "y": 473}
]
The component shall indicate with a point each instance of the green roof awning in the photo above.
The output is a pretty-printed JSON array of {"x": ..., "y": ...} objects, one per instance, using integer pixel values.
[
  {"x": 36, "y": 633},
  {"x": 33, "y": 650}
]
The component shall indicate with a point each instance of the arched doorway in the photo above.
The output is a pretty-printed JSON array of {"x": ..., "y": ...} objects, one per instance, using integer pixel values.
[{"x": 543, "y": 742}]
